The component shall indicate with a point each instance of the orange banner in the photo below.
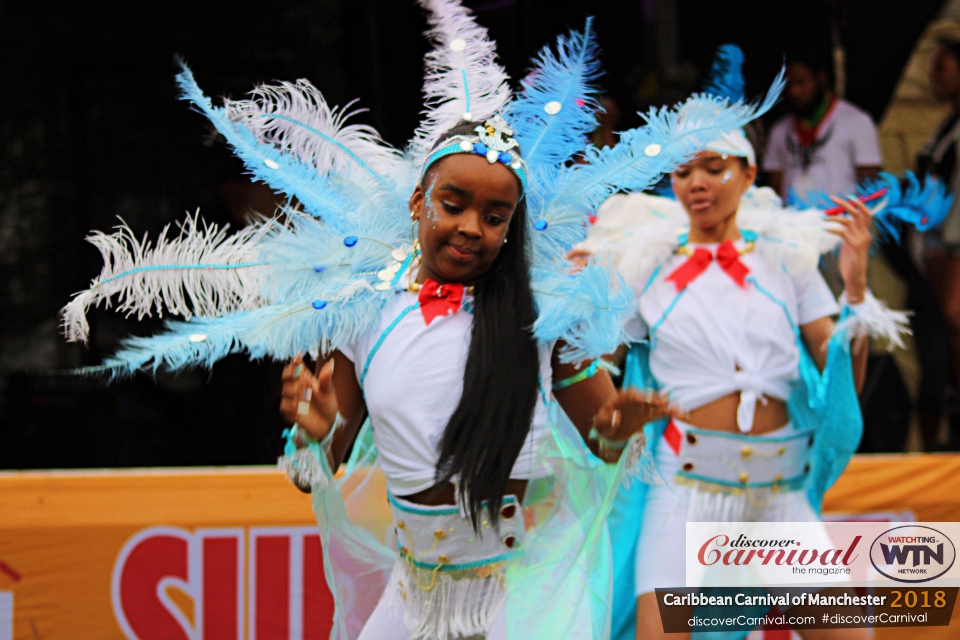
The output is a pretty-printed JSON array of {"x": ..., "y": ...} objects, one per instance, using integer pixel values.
[{"x": 234, "y": 554}]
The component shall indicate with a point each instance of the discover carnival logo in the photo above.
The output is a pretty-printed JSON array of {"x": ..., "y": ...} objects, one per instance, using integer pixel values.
[
  {"x": 912, "y": 553},
  {"x": 743, "y": 551}
]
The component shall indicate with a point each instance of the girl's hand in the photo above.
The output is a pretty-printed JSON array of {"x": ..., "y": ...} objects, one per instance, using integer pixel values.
[
  {"x": 626, "y": 412},
  {"x": 309, "y": 400},
  {"x": 580, "y": 258},
  {"x": 855, "y": 250}
]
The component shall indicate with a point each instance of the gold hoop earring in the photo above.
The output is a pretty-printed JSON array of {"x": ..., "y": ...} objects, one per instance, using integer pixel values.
[{"x": 415, "y": 244}]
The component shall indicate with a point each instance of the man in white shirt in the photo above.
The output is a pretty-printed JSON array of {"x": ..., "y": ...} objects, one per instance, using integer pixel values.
[{"x": 825, "y": 144}]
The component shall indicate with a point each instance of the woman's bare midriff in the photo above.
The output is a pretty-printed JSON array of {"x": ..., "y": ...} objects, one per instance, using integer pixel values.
[
  {"x": 442, "y": 494},
  {"x": 721, "y": 415}
]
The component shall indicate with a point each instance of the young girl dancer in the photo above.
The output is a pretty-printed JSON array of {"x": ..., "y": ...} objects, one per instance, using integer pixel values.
[
  {"x": 452, "y": 333},
  {"x": 456, "y": 386}
]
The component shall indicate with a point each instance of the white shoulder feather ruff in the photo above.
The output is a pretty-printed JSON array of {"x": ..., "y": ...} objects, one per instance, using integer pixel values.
[{"x": 638, "y": 232}]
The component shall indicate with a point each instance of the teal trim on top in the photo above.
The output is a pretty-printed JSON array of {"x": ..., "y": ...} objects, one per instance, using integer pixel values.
[
  {"x": 383, "y": 336},
  {"x": 656, "y": 326},
  {"x": 403, "y": 268}
]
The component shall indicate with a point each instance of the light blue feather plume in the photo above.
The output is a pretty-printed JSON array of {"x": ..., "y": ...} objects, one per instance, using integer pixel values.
[
  {"x": 922, "y": 205},
  {"x": 584, "y": 309},
  {"x": 279, "y": 331},
  {"x": 726, "y": 76},
  {"x": 556, "y": 109},
  {"x": 669, "y": 137},
  {"x": 347, "y": 191}
]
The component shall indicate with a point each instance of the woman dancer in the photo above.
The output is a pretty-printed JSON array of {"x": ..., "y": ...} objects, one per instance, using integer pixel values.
[{"x": 736, "y": 322}]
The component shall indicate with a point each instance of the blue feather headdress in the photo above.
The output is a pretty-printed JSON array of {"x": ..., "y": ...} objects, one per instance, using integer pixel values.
[
  {"x": 726, "y": 75},
  {"x": 318, "y": 276}
]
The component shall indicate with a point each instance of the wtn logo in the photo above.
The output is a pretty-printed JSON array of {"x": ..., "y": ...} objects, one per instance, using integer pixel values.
[
  {"x": 896, "y": 554},
  {"x": 912, "y": 553}
]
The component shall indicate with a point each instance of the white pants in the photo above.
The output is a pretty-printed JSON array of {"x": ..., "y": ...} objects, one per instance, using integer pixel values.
[{"x": 386, "y": 625}]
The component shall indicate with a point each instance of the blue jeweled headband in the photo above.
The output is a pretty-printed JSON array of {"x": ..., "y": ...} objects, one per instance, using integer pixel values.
[{"x": 493, "y": 141}]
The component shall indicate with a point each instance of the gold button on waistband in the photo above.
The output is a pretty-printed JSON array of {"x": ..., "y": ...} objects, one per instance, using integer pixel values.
[
  {"x": 781, "y": 451},
  {"x": 744, "y": 477},
  {"x": 439, "y": 534},
  {"x": 746, "y": 452}
]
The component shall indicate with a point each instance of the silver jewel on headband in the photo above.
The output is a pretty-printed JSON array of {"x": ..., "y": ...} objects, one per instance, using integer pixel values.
[
  {"x": 493, "y": 140},
  {"x": 496, "y": 134}
]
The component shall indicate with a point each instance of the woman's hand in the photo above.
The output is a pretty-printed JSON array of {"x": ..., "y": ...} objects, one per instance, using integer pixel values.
[
  {"x": 855, "y": 250},
  {"x": 628, "y": 410},
  {"x": 309, "y": 400}
]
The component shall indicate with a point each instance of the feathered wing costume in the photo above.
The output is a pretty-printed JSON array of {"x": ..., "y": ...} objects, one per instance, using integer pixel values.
[
  {"x": 318, "y": 276},
  {"x": 638, "y": 232}
]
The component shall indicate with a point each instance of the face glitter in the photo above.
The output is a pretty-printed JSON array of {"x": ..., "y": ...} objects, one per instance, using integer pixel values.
[
  {"x": 727, "y": 176},
  {"x": 432, "y": 214}
]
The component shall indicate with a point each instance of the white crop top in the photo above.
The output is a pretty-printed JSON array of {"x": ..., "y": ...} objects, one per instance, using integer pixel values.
[
  {"x": 715, "y": 338},
  {"x": 413, "y": 385}
]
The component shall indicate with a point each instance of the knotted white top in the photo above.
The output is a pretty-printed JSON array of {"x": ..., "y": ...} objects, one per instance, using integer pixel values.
[{"x": 715, "y": 338}]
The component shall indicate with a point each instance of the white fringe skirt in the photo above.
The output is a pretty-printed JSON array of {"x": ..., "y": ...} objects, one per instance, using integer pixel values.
[
  {"x": 448, "y": 581},
  {"x": 718, "y": 478}
]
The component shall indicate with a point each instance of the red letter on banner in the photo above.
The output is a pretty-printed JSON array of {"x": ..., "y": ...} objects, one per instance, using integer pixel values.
[
  {"x": 222, "y": 590},
  {"x": 150, "y": 561},
  {"x": 272, "y": 587},
  {"x": 317, "y": 599}
]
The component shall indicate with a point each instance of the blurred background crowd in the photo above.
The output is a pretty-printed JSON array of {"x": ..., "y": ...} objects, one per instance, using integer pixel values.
[{"x": 91, "y": 131}]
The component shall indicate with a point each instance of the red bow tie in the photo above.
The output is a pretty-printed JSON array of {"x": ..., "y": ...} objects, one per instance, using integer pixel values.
[
  {"x": 727, "y": 257},
  {"x": 439, "y": 299}
]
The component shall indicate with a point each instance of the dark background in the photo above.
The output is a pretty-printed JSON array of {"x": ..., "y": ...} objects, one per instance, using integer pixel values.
[{"x": 91, "y": 129}]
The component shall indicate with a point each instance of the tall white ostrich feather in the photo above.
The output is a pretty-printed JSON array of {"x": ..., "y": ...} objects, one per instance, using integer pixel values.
[
  {"x": 462, "y": 76},
  {"x": 295, "y": 117},
  {"x": 202, "y": 271}
]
